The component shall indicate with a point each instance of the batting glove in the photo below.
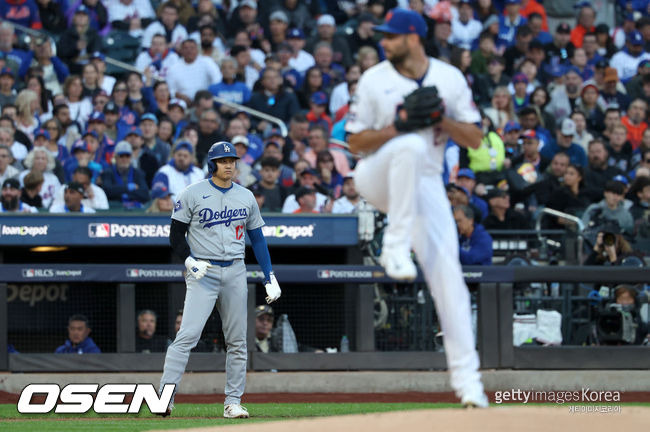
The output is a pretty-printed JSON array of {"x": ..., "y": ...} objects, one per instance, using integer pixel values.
[
  {"x": 273, "y": 290},
  {"x": 198, "y": 269}
]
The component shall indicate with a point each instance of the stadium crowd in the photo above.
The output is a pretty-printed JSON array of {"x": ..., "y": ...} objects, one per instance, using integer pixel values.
[{"x": 564, "y": 107}]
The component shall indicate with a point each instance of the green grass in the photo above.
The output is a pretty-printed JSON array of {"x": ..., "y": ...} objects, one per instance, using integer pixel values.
[{"x": 189, "y": 415}]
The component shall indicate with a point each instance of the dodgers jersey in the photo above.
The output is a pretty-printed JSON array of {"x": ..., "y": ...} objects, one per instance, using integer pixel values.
[
  {"x": 382, "y": 88},
  {"x": 218, "y": 220}
]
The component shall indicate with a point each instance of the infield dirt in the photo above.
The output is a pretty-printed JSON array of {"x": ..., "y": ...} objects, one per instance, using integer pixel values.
[{"x": 497, "y": 419}]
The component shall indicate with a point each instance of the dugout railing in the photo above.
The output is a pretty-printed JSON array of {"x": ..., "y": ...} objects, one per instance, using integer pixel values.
[{"x": 495, "y": 287}]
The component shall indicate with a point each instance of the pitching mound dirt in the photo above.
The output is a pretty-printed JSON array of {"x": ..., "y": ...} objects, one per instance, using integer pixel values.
[{"x": 497, "y": 419}]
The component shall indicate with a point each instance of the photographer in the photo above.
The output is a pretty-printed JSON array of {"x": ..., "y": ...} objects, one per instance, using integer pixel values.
[
  {"x": 610, "y": 247},
  {"x": 619, "y": 323}
]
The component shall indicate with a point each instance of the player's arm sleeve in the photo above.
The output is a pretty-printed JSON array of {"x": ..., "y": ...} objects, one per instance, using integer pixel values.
[
  {"x": 177, "y": 239},
  {"x": 261, "y": 251},
  {"x": 462, "y": 107},
  {"x": 360, "y": 116}
]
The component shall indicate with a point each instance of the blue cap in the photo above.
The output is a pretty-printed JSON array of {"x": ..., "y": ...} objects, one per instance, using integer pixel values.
[
  {"x": 634, "y": 37},
  {"x": 583, "y": 4},
  {"x": 319, "y": 98},
  {"x": 403, "y": 21},
  {"x": 159, "y": 190},
  {"x": 554, "y": 70},
  {"x": 96, "y": 116},
  {"x": 7, "y": 71},
  {"x": 644, "y": 63},
  {"x": 98, "y": 55},
  {"x": 508, "y": 2},
  {"x": 520, "y": 78},
  {"x": 82, "y": 9},
  {"x": 295, "y": 33},
  {"x": 272, "y": 132},
  {"x": 92, "y": 133},
  {"x": 183, "y": 145},
  {"x": 43, "y": 133},
  {"x": 466, "y": 172},
  {"x": 573, "y": 69},
  {"x": 622, "y": 179},
  {"x": 134, "y": 130},
  {"x": 309, "y": 171},
  {"x": 149, "y": 116},
  {"x": 511, "y": 126},
  {"x": 78, "y": 145}
]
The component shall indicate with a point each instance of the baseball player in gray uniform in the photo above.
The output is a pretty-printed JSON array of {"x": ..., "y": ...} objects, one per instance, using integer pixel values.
[{"x": 210, "y": 221}]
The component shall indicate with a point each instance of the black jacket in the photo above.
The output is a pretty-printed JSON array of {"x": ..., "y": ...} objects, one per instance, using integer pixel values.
[
  {"x": 119, "y": 191},
  {"x": 283, "y": 105}
]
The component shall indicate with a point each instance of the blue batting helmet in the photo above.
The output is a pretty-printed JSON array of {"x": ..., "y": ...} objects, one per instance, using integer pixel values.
[{"x": 220, "y": 150}]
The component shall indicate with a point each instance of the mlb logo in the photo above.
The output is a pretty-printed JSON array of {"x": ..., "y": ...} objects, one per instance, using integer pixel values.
[
  {"x": 132, "y": 273},
  {"x": 28, "y": 273},
  {"x": 99, "y": 230},
  {"x": 323, "y": 274}
]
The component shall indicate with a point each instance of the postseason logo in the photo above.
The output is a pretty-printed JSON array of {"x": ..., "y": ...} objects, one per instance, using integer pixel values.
[{"x": 80, "y": 398}]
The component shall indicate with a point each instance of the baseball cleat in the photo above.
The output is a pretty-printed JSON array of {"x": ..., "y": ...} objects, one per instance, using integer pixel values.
[
  {"x": 167, "y": 412},
  {"x": 398, "y": 266},
  {"x": 475, "y": 400},
  {"x": 235, "y": 411}
]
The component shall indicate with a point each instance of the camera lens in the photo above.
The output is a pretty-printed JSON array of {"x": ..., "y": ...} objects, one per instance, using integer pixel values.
[{"x": 609, "y": 239}]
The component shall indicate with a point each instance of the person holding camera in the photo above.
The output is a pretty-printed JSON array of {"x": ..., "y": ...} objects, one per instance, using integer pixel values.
[
  {"x": 610, "y": 248},
  {"x": 620, "y": 322},
  {"x": 610, "y": 208}
]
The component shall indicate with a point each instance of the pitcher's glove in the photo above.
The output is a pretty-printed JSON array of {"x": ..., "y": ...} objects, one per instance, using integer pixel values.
[{"x": 421, "y": 109}]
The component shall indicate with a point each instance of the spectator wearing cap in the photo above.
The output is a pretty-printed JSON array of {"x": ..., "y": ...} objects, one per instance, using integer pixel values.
[
  {"x": 627, "y": 60},
  {"x": 272, "y": 98},
  {"x": 253, "y": 144},
  {"x": 97, "y": 124},
  {"x": 245, "y": 16},
  {"x": 244, "y": 175},
  {"x": 585, "y": 22},
  {"x": 161, "y": 201},
  {"x": 192, "y": 73},
  {"x": 518, "y": 50},
  {"x": 10, "y": 199},
  {"x": 308, "y": 178},
  {"x": 565, "y": 143},
  {"x": 306, "y": 199},
  {"x": 122, "y": 182},
  {"x": 511, "y": 143},
  {"x": 611, "y": 93},
  {"x": 510, "y": 21},
  {"x": 300, "y": 60},
  {"x": 520, "y": 97},
  {"x": 486, "y": 84},
  {"x": 96, "y": 11},
  {"x": 475, "y": 244},
  {"x": 350, "y": 200},
  {"x": 158, "y": 59},
  {"x": 620, "y": 149},
  {"x": 180, "y": 172},
  {"x": 561, "y": 49},
  {"x": 502, "y": 216},
  {"x": 634, "y": 86},
  {"x": 95, "y": 197},
  {"x": 467, "y": 180},
  {"x": 80, "y": 156},
  {"x": 635, "y": 122},
  {"x": 318, "y": 110},
  {"x": 73, "y": 196},
  {"x": 176, "y": 113},
  {"x": 7, "y": 90},
  {"x": 166, "y": 24},
  {"x": 564, "y": 97},
  {"x": 115, "y": 128},
  {"x": 142, "y": 157},
  {"x": 149, "y": 127},
  {"x": 30, "y": 193},
  {"x": 465, "y": 29},
  {"x": 278, "y": 26},
  {"x": 611, "y": 208},
  {"x": 592, "y": 106},
  {"x": 268, "y": 185},
  {"x": 363, "y": 34},
  {"x": 273, "y": 149},
  {"x": 78, "y": 41},
  {"x": 326, "y": 32},
  {"x": 530, "y": 157}
]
